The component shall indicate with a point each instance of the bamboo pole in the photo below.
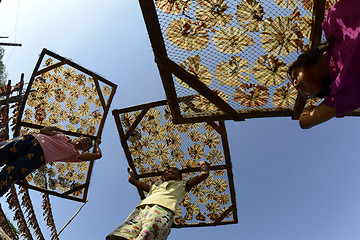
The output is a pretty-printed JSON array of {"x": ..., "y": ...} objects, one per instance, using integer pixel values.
[{"x": 62, "y": 229}]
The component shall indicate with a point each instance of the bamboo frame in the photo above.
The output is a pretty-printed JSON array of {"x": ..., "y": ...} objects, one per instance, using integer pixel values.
[
  {"x": 219, "y": 128},
  {"x": 105, "y": 106},
  {"x": 167, "y": 67}
]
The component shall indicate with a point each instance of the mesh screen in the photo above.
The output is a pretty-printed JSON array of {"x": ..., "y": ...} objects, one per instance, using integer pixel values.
[
  {"x": 65, "y": 97},
  {"x": 240, "y": 49},
  {"x": 156, "y": 142}
]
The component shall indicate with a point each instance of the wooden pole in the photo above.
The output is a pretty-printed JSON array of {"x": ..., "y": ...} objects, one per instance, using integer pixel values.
[
  {"x": 72, "y": 217},
  {"x": 10, "y": 44}
]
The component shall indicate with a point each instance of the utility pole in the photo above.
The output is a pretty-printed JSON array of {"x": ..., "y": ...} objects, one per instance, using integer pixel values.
[{"x": 9, "y": 44}]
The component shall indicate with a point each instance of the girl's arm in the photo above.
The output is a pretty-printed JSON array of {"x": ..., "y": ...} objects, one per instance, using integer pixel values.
[
  {"x": 96, "y": 154},
  {"x": 204, "y": 173},
  {"x": 314, "y": 115},
  {"x": 141, "y": 185},
  {"x": 49, "y": 131}
]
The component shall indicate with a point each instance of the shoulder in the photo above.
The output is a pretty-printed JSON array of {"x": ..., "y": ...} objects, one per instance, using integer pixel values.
[
  {"x": 175, "y": 183},
  {"x": 181, "y": 184},
  {"x": 62, "y": 136}
]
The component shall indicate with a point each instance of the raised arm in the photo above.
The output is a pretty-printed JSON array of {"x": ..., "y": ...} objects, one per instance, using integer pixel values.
[
  {"x": 204, "y": 173},
  {"x": 49, "y": 131},
  {"x": 314, "y": 115},
  {"x": 96, "y": 154},
  {"x": 141, "y": 185}
]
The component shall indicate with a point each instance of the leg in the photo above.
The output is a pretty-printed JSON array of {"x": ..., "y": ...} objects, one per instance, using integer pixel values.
[
  {"x": 115, "y": 238},
  {"x": 13, "y": 148},
  {"x": 129, "y": 229},
  {"x": 31, "y": 159},
  {"x": 156, "y": 224}
]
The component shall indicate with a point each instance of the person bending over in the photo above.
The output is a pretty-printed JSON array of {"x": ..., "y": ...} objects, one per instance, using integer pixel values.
[
  {"x": 331, "y": 71},
  {"x": 22, "y": 155}
]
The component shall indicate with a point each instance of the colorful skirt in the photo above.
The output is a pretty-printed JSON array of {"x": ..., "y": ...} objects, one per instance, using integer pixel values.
[
  {"x": 146, "y": 222},
  {"x": 19, "y": 157}
]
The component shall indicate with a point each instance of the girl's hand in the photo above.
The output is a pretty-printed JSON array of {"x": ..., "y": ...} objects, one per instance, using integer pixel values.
[
  {"x": 204, "y": 163},
  {"x": 98, "y": 141},
  {"x": 131, "y": 173},
  {"x": 309, "y": 108},
  {"x": 204, "y": 167}
]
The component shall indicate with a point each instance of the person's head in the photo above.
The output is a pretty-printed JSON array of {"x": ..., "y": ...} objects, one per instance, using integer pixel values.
[
  {"x": 171, "y": 173},
  {"x": 305, "y": 73},
  {"x": 83, "y": 143}
]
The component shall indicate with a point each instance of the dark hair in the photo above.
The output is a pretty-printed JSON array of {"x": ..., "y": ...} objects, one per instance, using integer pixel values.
[
  {"x": 90, "y": 145},
  {"x": 168, "y": 167},
  {"x": 310, "y": 57}
]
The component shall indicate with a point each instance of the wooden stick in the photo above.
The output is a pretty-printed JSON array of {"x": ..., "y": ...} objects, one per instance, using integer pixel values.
[{"x": 72, "y": 217}]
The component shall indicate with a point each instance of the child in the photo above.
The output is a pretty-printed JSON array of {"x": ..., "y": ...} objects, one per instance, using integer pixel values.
[
  {"x": 22, "y": 155},
  {"x": 153, "y": 217},
  {"x": 331, "y": 72}
]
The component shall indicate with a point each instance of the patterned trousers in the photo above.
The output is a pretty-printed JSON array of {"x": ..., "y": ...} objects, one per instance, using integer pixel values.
[
  {"x": 147, "y": 222},
  {"x": 19, "y": 157}
]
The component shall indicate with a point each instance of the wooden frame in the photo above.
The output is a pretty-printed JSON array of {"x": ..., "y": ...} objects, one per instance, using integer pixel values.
[
  {"x": 168, "y": 67},
  {"x": 141, "y": 117},
  {"x": 104, "y": 103}
]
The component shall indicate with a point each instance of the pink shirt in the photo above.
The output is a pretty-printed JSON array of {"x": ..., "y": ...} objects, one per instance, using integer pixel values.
[
  {"x": 57, "y": 148},
  {"x": 343, "y": 22}
]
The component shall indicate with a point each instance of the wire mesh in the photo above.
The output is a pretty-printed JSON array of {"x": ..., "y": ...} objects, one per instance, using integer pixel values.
[
  {"x": 154, "y": 142},
  {"x": 72, "y": 98},
  {"x": 240, "y": 49}
]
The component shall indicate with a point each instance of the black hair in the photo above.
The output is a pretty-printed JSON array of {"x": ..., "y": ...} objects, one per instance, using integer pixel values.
[
  {"x": 90, "y": 145},
  {"x": 311, "y": 57},
  {"x": 168, "y": 167}
]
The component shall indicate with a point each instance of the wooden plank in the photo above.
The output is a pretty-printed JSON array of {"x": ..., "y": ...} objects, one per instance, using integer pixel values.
[
  {"x": 194, "y": 82},
  {"x": 126, "y": 150},
  {"x": 49, "y": 68},
  {"x": 91, "y": 166},
  {"x": 85, "y": 185},
  {"x": 217, "y": 128},
  {"x": 10, "y": 44},
  {"x": 98, "y": 89},
  {"x": 74, "y": 134},
  {"x": 26, "y": 185},
  {"x": 157, "y": 42},
  {"x": 223, "y": 215},
  {"x": 227, "y": 157},
  {"x": 138, "y": 107},
  {"x": 77, "y": 66},
  {"x": 17, "y": 98},
  {"x": 184, "y": 170},
  {"x": 266, "y": 113},
  {"x": 317, "y": 20},
  {"x": 22, "y": 105},
  {"x": 21, "y": 84},
  {"x": 106, "y": 108},
  {"x": 7, "y": 108},
  {"x": 137, "y": 121}
]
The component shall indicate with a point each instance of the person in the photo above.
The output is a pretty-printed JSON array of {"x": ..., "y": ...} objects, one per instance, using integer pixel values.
[
  {"x": 331, "y": 71},
  {"x": 22, "y": 155},
  {"x": 153, "y": 217}
]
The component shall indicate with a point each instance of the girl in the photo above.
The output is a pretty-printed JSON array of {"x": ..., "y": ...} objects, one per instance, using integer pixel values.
[
  {"x": 153, "y": 217},
  {"x": 332, "y": 71},
  {"x": 22, "y": 155}
]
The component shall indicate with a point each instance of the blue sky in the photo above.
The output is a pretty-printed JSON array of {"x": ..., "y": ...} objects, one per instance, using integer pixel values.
[{"x": 290, "y": 183}]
